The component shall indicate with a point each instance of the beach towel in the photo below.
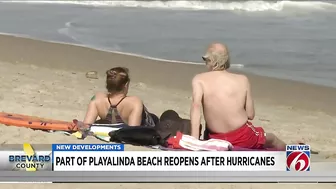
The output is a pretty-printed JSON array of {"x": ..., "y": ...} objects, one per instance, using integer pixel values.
[
  {"x": 105, "y": 129},
  {"x": 187, "y": 142},
  {"x": 98, "y": 130}
]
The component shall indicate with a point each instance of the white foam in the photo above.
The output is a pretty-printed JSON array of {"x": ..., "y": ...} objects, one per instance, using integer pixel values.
[
  {"x": 116, "y": 52},
  {"x": 250, "y": 6}
]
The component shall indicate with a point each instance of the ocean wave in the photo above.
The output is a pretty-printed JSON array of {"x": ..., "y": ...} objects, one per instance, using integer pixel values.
[
  {"x": 250, "y": 6},
  {"x": 239, "y": 66}
]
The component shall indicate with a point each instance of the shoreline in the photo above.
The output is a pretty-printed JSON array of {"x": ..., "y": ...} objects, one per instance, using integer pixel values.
[
  {"x": 114, "y": 52},
  {"x": 160, "y": 73}
]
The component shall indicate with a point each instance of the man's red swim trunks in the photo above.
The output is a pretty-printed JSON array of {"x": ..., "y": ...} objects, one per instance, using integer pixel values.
[{"x": 246, "y": 136}]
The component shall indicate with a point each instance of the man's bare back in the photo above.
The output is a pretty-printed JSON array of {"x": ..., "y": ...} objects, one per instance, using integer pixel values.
[
  {"x": 227, "y": 104},
  {"x": 224, "y": 100}
]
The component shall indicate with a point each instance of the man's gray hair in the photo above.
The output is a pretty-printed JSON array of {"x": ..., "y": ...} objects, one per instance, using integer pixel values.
[{"x": 219, "y": 60}]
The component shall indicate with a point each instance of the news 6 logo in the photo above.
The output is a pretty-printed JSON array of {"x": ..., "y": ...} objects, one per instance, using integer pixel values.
[{"x": 298, "y": 157}]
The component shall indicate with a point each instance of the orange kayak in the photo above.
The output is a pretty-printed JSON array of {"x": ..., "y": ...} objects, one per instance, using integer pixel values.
[{"x": 33, "y": 122}]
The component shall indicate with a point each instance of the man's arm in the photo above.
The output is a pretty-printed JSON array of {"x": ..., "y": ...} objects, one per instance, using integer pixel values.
[
  {"x": 195, "y": 109},
  {"x": 135, "y": 116},
  {"x": 92, "y": 113},
  {"x": 249, "y": 106}
]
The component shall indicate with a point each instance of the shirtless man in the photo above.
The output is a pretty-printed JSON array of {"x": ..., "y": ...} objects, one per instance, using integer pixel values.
[{"x": 227, "y": 104}]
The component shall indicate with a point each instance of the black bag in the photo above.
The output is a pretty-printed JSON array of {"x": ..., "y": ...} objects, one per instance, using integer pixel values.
[{"x": 139, "y": 136}]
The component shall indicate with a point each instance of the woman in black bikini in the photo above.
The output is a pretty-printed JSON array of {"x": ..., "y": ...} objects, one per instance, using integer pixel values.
[{"x": 115, "y": 106}]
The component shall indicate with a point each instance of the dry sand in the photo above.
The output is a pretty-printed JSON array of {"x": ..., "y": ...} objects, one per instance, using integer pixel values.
[{"x": 48, "y": 80}]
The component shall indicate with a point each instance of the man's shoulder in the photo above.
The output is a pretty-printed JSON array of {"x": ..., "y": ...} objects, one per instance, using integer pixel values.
[
  {"x": 200, "y": 76},
  {"x": 198, "y": 80},
  {"x": 240, "y": 76}
]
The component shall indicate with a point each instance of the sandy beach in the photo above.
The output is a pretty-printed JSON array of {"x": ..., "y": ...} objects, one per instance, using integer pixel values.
[{"x": 48, "y": 80}]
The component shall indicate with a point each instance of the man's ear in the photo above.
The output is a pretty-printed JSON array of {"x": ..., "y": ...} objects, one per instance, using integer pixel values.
[{"x": 215, "y": 66}]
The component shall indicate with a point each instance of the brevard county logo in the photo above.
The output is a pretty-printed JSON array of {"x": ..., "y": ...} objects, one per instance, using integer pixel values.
[{"x": 29, "y": 161}]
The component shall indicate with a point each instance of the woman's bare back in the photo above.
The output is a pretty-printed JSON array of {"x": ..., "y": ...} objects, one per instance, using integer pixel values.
[{"x": 124, "y": 105}]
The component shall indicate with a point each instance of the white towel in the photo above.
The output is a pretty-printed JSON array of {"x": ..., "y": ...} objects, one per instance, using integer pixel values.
[{"x": 191, "y": 143}]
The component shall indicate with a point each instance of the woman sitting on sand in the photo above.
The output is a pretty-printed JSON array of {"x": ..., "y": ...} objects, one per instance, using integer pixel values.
[{"x": 115, "y": 106}]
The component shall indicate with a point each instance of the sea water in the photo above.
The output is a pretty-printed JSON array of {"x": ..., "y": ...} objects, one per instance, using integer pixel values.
[{"x": 285, "y": 39}]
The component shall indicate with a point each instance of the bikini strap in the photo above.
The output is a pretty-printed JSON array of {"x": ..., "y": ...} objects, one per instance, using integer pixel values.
[
  {"x": 108, "y": 98},
  {"x": 120, "y": 101},
  {"x": 113, "y": 113}
]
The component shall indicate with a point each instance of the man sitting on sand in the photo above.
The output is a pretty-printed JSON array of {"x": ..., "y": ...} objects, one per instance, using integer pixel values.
[{"x": 227, "y": 105}]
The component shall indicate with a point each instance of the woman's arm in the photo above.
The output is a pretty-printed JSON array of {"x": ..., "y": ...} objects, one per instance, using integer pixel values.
[{"x": 92, "y": 113}]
